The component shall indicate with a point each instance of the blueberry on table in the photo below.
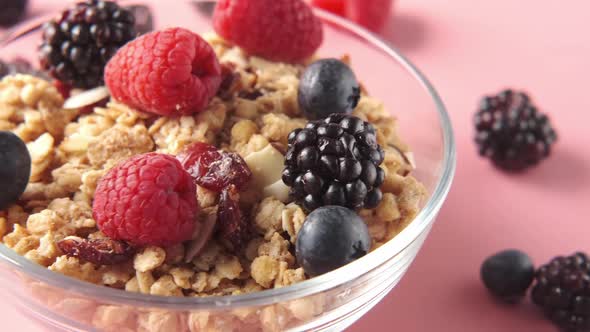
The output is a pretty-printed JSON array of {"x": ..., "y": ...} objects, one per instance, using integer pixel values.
[
  {"x": 328, "y": 86},
  {"x": 331, "y": 237},
  {"x": 15, "y": 170},
  {"x": 508, "y": 274}
]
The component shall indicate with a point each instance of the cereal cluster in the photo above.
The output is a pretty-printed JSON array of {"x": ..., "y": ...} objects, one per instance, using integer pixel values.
[{"x": 256, "y": 107}]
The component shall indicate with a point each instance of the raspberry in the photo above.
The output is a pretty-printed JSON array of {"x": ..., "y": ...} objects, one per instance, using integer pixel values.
[
  {"x": 147, "y": 200},
  {"x": 279, "y": 30},
  {"x": 167, "y": 72}
]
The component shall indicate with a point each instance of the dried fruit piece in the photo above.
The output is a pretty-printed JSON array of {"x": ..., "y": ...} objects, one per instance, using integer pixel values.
[
  {"x": 233, "y": 226},
  {"x": 98, "y": 251},
  {"x": 214, "y": 170}
]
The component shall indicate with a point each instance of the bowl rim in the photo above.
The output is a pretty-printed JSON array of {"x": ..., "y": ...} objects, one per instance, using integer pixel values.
[{"x": 302, "y": 289}]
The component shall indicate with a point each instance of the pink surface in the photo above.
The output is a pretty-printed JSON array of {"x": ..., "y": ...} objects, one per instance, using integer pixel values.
[{"x": 468, "y": 48}]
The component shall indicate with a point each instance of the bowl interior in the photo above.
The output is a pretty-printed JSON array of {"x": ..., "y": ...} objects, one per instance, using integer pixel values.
[{"x": 386, "y": 75}]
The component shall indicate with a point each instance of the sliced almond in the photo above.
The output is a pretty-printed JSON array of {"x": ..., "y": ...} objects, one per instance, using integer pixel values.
[
  {"x": 87, "y": 98},
  {"x": 203, "y": 232},
  {"x": 278, "y": 190},
  {"x": 266, "y": 166}
]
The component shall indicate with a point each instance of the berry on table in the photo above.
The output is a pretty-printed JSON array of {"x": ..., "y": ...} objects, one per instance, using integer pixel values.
[
  {"x": 77, "y": 45},
  {"x": 331, "y": 237},
  {"x": 279, "y": 30},
  {"x": 232, "y": 225},
  {"x": 334, "y": 162},
  {"x": 328, "y": 86},
  {"x": 508, "y": 274},
  {"x": 11, "y": 11},
  {"x": 334, "y": 6},
  {"x": 372, "y": 14},
  {"x": 213, "y": 169},
  {"x": 168, "y": 72},
  {"x": 562, "y": 290},
  {"x": 512, "y": 132},
  {"x": 16, "y": 168},
  {"x": 147, "y": 200}
]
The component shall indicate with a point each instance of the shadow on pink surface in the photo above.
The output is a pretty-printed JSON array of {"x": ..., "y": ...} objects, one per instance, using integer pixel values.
[{"x": 551, "y": 175}]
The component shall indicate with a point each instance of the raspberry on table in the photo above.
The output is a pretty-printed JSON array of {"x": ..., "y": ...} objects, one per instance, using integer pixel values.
[
  {"x": 279, "y": 30},
  {"x": 147, "y": 200},
  {"x": 77, "y": 46},
  {"x": 168, "y": 72},
  {"x": 512, "y": 132},
  {"x": 562, "y": 290}
]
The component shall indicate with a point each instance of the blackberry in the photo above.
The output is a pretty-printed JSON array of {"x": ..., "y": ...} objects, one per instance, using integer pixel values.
[
  {"x": 562, "y": 290},
  {"x": 334, "y": 162},
  {"x": 511, "y": 132},
  {"x": 77, "y": 46},
  {"x": 11, "y": 11}
]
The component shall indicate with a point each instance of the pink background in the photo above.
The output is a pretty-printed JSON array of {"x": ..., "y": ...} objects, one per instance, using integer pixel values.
[{"x": 469, "y": 48}]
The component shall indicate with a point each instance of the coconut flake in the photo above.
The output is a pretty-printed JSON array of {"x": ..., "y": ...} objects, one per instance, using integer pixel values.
[{"x": 87, "y": 98}]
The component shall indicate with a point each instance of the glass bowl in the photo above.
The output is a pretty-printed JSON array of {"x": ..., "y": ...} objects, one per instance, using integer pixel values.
[{"x": 332, "y": 301}]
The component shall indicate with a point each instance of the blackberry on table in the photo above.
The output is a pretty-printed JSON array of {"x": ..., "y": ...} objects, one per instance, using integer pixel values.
[
  {"x": 562, "y": 290},
  {"x": 77, "y": 46},
  {"x": 512, "y": 132},
  {"x": 334, "y": 162},
  {"x": 11, "y": 11}
]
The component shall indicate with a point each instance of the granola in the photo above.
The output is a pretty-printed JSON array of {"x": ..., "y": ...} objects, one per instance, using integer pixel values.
[{"x": 72, "y": 151}]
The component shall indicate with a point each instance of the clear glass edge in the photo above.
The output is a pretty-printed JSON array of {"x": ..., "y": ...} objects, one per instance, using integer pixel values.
[{"x": 306, "y": 288}]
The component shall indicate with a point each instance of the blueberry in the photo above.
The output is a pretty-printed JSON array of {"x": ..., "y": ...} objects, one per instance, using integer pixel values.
[
  {"x": 15, "y": 170},
  {"x": 508, "y": 274},
  {"x": 328, "y": 86},
  {"x": 331, "y": 237}
]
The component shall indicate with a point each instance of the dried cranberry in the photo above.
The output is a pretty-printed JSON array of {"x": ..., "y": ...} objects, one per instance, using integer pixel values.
[
  {"x": 230, "y": 81},
  {"x": 232, "y": 225},
  {"x": 215, "y": 170},
  {"x": 98, "y": 251}
]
